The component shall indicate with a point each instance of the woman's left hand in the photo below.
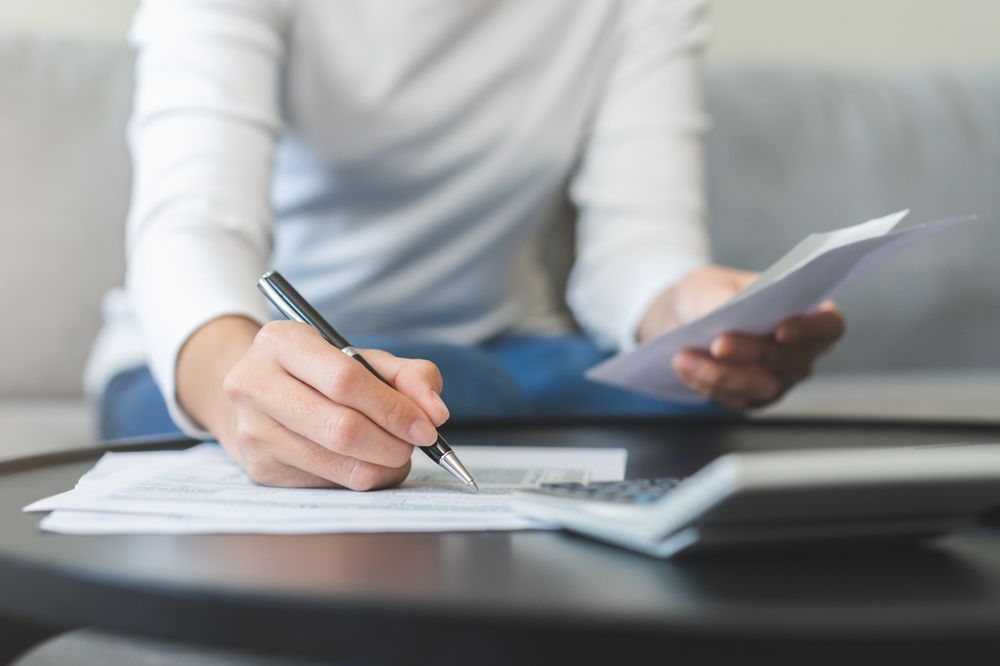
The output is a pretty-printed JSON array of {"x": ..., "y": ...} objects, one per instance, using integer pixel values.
[{"x": 740, "y": 370}]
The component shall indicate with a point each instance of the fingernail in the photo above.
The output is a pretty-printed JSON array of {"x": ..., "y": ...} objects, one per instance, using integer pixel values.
[
  {"x": 440, "y": 409},
  {"x": 717, "y": 348},
  {"x": 422, "y": 432}
]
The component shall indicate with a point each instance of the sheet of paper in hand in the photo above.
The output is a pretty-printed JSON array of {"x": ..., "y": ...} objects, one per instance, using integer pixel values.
[{"x": 798, "y": 282}]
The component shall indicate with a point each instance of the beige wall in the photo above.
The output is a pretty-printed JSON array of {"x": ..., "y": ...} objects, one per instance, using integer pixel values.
[
  {"x": 106, "y": 19},
  {"x": 859, "y": 32},
  {"x": 866, "y": 32}
]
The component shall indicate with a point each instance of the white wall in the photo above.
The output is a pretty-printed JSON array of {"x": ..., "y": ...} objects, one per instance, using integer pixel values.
[{"x": 866, "y": 32}]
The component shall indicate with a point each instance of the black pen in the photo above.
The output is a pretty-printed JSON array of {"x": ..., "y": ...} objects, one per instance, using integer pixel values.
[{"x": 291, "y": 304}]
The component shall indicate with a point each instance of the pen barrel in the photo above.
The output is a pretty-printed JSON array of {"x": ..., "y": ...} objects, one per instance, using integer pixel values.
[
  {"x": 286, "y": 298},
  {"x": 437, "y": 450},
  {"x": 356, "y": 355}
]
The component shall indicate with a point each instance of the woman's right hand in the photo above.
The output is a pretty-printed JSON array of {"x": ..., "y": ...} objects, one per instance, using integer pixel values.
[{"x": 295, "y": 411}]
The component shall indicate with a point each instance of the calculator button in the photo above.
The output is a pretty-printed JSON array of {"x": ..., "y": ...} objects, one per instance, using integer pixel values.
[
  {"x": 635, "y": 491},
  {"x": 647, "y": 498}
]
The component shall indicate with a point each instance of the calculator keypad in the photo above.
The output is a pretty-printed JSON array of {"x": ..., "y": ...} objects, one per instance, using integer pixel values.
[{"x": 636, "y": 491}]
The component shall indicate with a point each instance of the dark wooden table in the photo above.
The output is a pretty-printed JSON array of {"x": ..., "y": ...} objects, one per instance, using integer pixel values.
[{"x": 521, "y": 597}]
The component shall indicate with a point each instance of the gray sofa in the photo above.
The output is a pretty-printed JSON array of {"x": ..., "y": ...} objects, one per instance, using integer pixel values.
[{"x": 793, "y": 150}]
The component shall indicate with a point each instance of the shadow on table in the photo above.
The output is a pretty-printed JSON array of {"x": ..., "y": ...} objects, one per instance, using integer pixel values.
[{"x": 18, "y": 636}]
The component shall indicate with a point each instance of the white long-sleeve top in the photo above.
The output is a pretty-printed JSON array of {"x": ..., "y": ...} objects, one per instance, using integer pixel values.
[{"x": 397, "y": 161}]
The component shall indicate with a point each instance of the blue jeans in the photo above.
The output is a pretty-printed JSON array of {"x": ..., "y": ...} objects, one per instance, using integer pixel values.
[{"x": 512, "y": 376}]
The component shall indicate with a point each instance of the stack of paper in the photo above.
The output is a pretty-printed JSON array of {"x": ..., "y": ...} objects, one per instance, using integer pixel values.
[
  {"x": 798, "y": 282},
  {"x": 201, "y": 490}
]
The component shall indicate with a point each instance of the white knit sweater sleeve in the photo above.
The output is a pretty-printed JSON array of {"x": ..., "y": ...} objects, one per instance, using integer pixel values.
[
  {"x": 205, "y": 121},
  {"x": 639, "y": 189}
]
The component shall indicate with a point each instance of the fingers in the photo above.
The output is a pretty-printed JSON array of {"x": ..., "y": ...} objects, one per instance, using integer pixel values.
[
  {"x": 749, "y": 370},
  {"x": 417, "y": 379},
  {"x": 810, "y": 334},
  {"x": 764, "y": 351},
  {"x": 279, "y": 475},
  {"x": 275, "y": 456},
  {"x": 335, "y": 427},
  {"x": 344, "y": 381},
  {"x": 741, "y": 348},
  {"x": 796, "y": 343},
  {"x": 306, "y": 414},
  {"x": 817, "y": 330},
  {"x": 738, "y": 386}
]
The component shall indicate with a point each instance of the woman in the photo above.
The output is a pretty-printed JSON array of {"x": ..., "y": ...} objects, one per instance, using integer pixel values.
[{"x": 398, "y": 162}]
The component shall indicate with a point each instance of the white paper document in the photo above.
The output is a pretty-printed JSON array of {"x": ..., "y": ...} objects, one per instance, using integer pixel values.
[
  {"x": 200, "y": 490},
  {"x": 798, "y": 282}
]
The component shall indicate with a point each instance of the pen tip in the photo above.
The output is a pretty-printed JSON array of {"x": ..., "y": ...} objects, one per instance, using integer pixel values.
[{"x": 475, "y": 488}]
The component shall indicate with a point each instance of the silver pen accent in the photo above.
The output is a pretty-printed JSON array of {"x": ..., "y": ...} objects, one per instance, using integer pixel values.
[{"x": 451, "y": 463}]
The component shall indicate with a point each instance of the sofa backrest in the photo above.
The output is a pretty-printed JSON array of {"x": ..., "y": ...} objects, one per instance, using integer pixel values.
[
  {"x": 795, "y": 150},
  {"x": 64, "y": 187},
  {"x": 792, "y": 150}
]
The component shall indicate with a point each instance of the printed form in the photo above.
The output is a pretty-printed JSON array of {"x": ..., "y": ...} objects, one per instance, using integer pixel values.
[{"x": 200, "y": 490}]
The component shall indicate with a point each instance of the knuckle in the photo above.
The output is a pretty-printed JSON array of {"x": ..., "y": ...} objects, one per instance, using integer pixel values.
[
  {"x": 271, "y": 333},
  {"x": 343, "y": 430},
  {"x": 740, "y": 348},
  {"x": 248, "y": 436},
  {"x": 247, "y": 381},
  {"x": 344, "y": 380},
  {"x": 707, "y": 374},
  {"x": 242, "y": 383},
  {"x": 400, "y": 456},
  {"x": 260, "y": 473},
  {"x": 395, "y": 476},
  {"x": 281, "y": 334},
  {"x": 429, "y": 371},
  {"x": 397, "y": 416},
  {"x": 363, "y": 476},
  {"x": 729, "y": 381},
  {"x": 233, "y": 385}
]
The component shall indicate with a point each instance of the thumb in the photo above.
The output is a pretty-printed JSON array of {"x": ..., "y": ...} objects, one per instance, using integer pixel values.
[{"x": 417, "y": 379}]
